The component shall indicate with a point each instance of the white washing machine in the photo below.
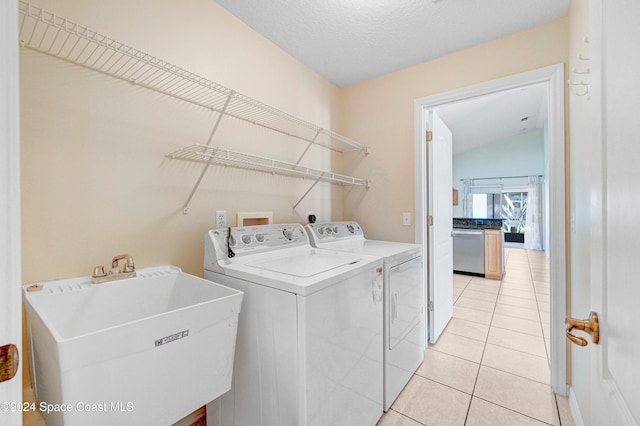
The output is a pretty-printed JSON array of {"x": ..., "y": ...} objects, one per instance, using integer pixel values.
[
  {"x": 309, "y": 343},
  {"x": 404, "y": 297}
]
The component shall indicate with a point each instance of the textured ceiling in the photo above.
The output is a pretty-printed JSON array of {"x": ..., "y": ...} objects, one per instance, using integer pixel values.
[
  {"x": 350, "y": 41},
  {"x": 486, "y": 119}
]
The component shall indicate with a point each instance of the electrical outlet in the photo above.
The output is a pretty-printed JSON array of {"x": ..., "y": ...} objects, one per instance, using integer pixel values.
[
  {"x": 221, "y": 219},
  {"x": 406, "y": 219},
  {"x": 309, "y": 213}
]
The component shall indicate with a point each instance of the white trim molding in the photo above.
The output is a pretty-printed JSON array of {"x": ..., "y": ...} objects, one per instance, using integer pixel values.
[
  {"x": 10, "y": 228},
  {"x": 553, "y": 77},
  {"x": 575, "y": 408}
]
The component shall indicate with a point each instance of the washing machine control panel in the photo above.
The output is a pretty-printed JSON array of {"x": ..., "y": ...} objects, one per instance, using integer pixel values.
[
  {"x": 250, "y": 239},
  {"x": 329, "y": 231},
  {"x": 288, "y": 234}
]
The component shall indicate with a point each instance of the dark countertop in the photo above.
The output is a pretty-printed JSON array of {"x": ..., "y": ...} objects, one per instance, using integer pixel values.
[{"x": 467, "y": 223}]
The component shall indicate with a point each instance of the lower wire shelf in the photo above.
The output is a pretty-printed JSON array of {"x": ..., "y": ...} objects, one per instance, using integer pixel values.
[{"x": 214, "y": 155}]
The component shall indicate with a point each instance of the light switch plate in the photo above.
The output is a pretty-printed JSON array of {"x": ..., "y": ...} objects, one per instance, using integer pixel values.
[{"x": 406, "y": 219}]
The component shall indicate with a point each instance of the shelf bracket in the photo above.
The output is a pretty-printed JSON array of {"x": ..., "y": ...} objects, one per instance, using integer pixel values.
[
  {"x": 185, "y": 209},
  {"x": 308, "y": 190},
  {"x": 309, "y": 146}
]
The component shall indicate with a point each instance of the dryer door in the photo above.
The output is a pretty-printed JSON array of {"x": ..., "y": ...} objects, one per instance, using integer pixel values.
[
  {"x": 405, "y": 332},
  {"x": 406, "y": 301}
]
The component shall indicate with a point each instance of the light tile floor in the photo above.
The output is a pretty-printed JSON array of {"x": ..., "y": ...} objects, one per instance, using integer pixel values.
[{"x": 490, "y": 366}]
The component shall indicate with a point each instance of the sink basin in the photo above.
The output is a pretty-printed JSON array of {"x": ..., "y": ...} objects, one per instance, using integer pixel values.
[{"x": 143, "y": 350}]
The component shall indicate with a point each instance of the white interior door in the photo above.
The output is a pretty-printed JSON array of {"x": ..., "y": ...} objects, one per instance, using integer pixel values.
[
  {"x": 10, "y": 252},
  {"x": 615, "y": 293},
  {"x": 440, "y": 241}
]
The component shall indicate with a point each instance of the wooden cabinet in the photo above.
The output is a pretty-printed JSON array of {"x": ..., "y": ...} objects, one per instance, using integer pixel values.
[{"x": 493, "y": 254}]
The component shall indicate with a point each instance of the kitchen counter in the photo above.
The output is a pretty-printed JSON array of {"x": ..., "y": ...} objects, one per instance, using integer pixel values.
[{"x": 466, "y": 223}]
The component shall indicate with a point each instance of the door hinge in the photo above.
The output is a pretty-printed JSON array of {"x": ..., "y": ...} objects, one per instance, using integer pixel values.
[
  {"x": 429, "y": 136},
  {"x": 430, "y": 220},
  {"x": 430, "y": 305}
]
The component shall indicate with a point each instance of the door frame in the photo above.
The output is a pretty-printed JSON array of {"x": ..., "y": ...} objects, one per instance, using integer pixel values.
[
  {"x": 553, "y": 77},
  {"x": 10, "y": 228}
]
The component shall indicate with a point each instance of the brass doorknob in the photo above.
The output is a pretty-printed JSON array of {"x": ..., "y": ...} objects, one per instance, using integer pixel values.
[
  {"x": 9, "y": 360},
  {"x": 590, "y": 325}
]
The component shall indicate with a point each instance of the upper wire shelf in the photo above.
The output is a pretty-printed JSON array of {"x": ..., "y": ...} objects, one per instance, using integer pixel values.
[
  {"x": 58, "y": 37},
  {"x": 214, "y": 155}
]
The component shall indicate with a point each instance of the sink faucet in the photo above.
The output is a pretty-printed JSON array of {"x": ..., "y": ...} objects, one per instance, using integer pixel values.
[
  {"x": 127, "y": 270},
  {"x": 128, "y": 266}
]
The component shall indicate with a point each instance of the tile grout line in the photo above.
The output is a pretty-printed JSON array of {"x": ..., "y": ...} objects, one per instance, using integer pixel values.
[
  {"x": 518, "y": 376},
  {"x": 486, "y": 342},
  {"x": 514, "y": 411},
  {"x": 481, "y": 365},
  {"x": 539, "y": 321},
  {"x": 555, "y": 398},
  {"x": 455, "y": 356},
  {"x": 444, "y": 384},
  {"x": 475, "y": 383},
  {"x": 465, "y": 287},
  {"x": 516, "y": 350},
  {"x": 478, "y": 372},
  {"x": 540, "y": 317},
  {"x": 408, "y": 417}
]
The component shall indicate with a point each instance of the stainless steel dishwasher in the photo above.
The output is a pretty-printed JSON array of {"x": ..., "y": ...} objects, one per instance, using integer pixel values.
[{"x": 468, "y": 251}]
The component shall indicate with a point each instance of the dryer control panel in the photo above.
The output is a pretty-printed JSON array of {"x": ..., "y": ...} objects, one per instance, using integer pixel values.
[
  {"x": 231, "y": 242},
  {"x": 333, "y": 231}
]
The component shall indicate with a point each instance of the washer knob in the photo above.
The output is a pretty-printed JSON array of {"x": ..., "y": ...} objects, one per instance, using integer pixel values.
[
  {"x": 321, "y": 230},
  {"x": 246, "y": 239},
  {"x": 350, "y": 228},
  {"x": 335, "y": 229},
  {"x": 288, "y": 234},
  {"x": 328, "y": 230},
  {"x": 259, "y": 237}
]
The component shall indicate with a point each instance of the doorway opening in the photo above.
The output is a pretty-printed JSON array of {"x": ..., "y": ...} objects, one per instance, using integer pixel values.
[{"x": 552, "y": 79}]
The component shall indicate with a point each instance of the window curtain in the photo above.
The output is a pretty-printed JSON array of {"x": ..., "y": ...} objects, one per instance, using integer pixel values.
[
  {"x": 467, "y": 198},
  {"x": 532, "y": 235}
]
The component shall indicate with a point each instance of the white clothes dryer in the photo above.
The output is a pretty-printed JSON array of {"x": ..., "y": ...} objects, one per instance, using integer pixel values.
[
  {"x": 404, "y": 297},
  {"x": 309, "y": 343}
]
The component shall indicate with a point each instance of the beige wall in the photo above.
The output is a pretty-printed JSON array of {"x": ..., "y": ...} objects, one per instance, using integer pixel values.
[
  {"x": 380, "y": 112},
  {"x": 95, "y": 180}
]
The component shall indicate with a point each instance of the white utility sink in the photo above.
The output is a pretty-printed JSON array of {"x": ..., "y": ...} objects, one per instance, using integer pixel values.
[{"x": 147, "y": 350}]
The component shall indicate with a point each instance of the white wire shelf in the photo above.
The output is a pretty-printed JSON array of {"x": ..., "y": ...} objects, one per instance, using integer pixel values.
[
  {"x": 214, "y": 155},
  {"x": 53, "y": 35}
]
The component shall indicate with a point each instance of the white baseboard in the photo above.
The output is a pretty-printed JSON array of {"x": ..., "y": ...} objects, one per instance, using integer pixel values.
[{"x": 575, "y": 409}]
